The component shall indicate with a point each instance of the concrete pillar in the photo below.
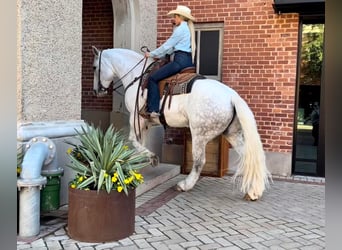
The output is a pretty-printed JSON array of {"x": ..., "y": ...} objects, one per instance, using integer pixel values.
[{"x": 49, "y": 60}]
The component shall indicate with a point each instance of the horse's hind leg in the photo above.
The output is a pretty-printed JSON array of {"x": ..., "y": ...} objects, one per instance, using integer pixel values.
[{"x": 198, "y": 155}]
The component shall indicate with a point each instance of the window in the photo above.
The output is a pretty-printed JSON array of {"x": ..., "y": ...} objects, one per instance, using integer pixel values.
[
  {"x": 308, "y": 153},
  {"x": 209, "y": 38}
]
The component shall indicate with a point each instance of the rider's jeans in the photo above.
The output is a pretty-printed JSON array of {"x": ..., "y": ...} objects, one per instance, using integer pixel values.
[{"x": 181, "y": 60}]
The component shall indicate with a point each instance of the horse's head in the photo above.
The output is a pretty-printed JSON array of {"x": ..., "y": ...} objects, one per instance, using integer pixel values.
[{"x": 103, "y": 76}]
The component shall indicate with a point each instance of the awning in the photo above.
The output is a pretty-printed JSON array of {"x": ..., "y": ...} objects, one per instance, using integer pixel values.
[{"x": 304, "y": 7}]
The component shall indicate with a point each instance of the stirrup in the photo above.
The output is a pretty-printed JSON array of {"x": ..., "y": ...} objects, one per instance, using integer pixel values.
[
  {"x": 154, "y": 115},
  {"x": 144, "y": 114}
]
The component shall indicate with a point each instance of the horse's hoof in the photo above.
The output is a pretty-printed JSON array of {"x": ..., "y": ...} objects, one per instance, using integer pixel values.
[
  {"x": 181, "y": 186},
  {"x": 154, "y": 160},
  {"x": 248, "y": 198},
  {"x": 178, "y": 188}
]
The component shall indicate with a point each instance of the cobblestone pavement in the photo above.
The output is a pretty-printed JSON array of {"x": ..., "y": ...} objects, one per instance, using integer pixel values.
[{"x": 290, "y": 215}]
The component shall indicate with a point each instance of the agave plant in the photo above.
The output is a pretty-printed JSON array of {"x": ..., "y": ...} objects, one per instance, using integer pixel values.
[
  {"x": 105, "y": 160},
  {"x": 20, "y": 157}
]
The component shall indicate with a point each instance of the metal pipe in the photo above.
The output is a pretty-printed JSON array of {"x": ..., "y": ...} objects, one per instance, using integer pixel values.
[
  {"x": 29, "y": 211},
  {"x": 34, "y": 160},
  {"x": 40, "y": 152}
]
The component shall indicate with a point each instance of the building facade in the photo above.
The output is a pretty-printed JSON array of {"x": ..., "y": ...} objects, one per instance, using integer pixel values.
[
  {"x": 255, "y": 47},
  {"x": 258, "y": 48}
]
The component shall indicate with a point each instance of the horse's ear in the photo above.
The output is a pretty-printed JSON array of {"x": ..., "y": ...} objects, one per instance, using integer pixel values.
[{"x": 95, "y": 50}]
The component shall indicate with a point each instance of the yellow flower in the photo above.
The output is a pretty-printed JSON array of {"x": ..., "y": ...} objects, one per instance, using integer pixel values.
[
  {"x": 69, "y": 151},
  {"x": 119, "y": 188},
  {"x": 73, "y": 185},
  {"x": 114, "y": 179},
  {"x": 125, "y": 147},
  {"x": 105, "y": 175},
  {"x": 80, "y": 179},
  {"x": 138, "y": 176},
  {"x": 126, "y": 181}
]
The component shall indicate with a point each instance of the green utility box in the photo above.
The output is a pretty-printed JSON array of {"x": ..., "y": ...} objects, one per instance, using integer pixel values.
[{"x": 49, "y": 195}]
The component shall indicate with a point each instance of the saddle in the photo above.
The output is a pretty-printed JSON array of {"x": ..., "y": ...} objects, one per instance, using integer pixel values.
[
  {"x": 180, "y": 83},
  {"x": 177, "y": 84},
  {"x": 172, "y": 85}
]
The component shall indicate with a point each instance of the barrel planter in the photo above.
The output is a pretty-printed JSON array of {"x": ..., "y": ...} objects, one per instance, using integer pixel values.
[{"x": 100, "y": 217}]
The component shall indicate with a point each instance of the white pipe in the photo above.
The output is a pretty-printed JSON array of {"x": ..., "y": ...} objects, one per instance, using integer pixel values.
[
  {"x": 26, "y": 131},
  {"x": 29, "y": 211},
  {"x": 34, "y": 160},
  {"x": 40, "y": 151}
]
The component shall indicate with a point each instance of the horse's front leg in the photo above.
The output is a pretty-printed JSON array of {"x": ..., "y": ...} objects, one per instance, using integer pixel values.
[
  {"x": 198, "y": 155},
  {"x": 138, "y": 137}
]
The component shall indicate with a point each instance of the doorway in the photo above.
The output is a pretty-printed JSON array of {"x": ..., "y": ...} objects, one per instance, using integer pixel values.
[{"x": 309, "y": 130}]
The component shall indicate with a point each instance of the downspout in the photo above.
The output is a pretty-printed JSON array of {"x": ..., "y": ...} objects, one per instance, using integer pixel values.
[{"x": 40, "y": 157}]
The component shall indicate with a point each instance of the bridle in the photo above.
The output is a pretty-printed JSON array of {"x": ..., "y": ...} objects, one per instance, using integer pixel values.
[{"x": 103, "y": 90}]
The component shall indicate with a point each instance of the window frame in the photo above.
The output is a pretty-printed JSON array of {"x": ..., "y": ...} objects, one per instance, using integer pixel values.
[{"x": 200, "y": 27}]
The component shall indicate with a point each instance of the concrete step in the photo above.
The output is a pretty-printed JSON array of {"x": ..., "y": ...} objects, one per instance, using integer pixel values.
[{"x": 154, "y": 176}]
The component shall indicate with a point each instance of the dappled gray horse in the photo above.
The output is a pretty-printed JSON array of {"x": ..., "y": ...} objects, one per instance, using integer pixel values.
[{"x": 208, "y": 110}]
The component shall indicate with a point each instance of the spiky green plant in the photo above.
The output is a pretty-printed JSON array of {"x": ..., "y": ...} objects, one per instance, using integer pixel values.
[
  {"x": 105, "y": 160},
  {"x": 20, "y": 157}
]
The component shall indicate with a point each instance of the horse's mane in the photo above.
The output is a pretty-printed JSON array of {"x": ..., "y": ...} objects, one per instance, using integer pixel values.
[{"x": 127, "y": 52}]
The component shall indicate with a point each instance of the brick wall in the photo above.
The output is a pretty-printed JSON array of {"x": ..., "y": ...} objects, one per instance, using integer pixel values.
[
  {"x": 259, "y": 60},
  {"x": 97, "y": 30}
]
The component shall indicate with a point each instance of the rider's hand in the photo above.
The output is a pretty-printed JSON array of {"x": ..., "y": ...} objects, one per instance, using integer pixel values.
[{"x": 147, "y": 54}]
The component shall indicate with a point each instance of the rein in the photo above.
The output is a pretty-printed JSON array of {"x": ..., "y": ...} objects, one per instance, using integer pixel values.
[
  {"x": 103, "y": 89},
  {"x": 136, "y": 108}
]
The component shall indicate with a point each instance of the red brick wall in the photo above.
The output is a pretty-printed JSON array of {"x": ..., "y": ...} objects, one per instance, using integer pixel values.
[
  {"x": 259, "y": 60},
  {"x": 97, "y": 30}
]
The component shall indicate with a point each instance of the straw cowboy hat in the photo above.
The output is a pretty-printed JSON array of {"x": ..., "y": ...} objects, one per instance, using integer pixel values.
[{"x": 183, "y": 11}]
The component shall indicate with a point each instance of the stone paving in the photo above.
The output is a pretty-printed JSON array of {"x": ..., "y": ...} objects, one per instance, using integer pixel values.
[{"x": 290, "y": 215}]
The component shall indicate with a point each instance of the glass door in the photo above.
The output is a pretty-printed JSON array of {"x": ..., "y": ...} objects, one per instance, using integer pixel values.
[{"x": 307, "y": 133}]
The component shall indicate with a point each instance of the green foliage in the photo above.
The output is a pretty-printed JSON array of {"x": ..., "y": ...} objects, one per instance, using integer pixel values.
[
  {"x": 20, "y": 158},
  {"x": 105, "y": 160},
  {"x": 312, "y": 53}
]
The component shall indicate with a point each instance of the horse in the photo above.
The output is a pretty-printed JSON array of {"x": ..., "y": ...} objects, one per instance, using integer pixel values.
[{"x": 211, "y": 109}]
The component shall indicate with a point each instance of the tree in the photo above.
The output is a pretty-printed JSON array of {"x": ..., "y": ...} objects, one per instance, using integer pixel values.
[{"x": 312, "y": 53}]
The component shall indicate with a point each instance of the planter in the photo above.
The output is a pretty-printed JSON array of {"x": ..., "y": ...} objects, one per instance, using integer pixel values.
[{"x": 100, "y": 217}]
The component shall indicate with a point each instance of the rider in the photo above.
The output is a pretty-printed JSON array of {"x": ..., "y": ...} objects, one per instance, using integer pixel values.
[{"x": 182, "y": 44}]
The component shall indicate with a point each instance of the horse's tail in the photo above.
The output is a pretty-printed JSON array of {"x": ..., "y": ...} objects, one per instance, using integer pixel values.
[{"x": 252, "y": 165}]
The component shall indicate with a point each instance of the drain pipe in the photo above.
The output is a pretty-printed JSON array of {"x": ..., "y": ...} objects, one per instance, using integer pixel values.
[{"x": 40, "y": 156}]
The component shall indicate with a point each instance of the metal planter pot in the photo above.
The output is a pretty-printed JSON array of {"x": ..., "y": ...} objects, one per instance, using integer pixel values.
[{"x": 100, "y": 217}]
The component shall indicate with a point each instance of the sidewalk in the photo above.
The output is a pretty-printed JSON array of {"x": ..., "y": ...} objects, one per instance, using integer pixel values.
[{"x": 290, "y": 215}]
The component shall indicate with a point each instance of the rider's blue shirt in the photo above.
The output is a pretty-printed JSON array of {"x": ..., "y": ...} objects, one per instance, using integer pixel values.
[{"x": 179, "y": 40}]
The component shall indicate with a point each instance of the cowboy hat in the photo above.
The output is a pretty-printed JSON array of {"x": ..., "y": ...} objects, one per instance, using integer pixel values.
[{"x": 183, "y": 11}]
